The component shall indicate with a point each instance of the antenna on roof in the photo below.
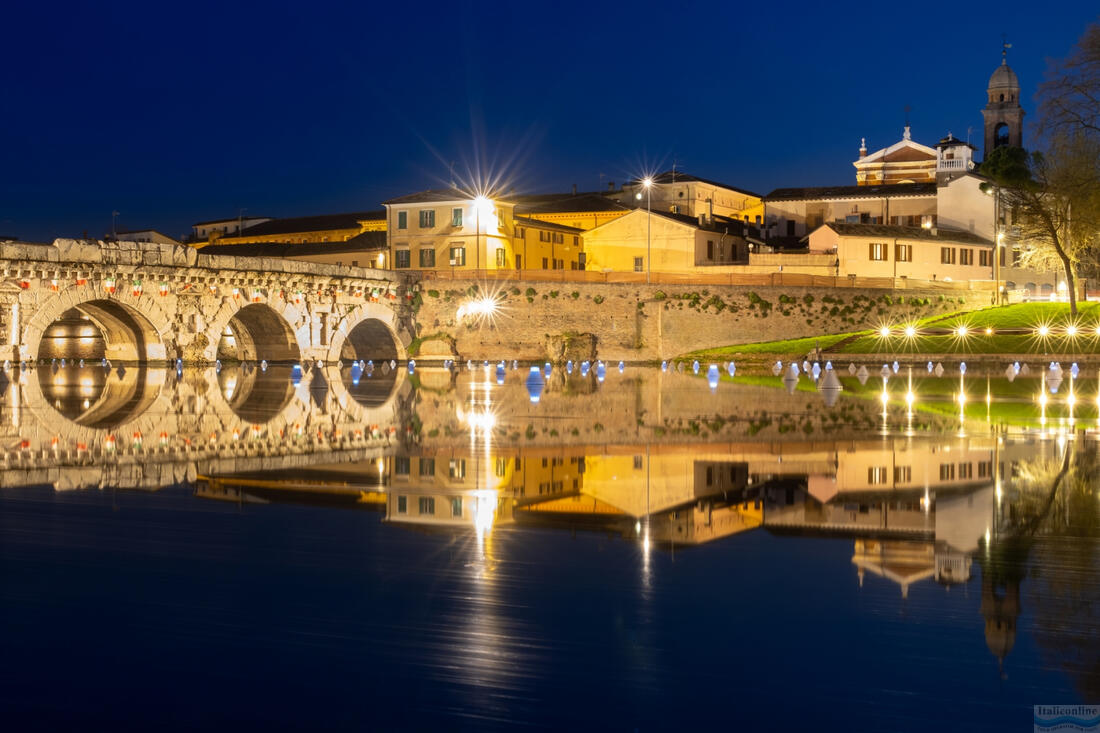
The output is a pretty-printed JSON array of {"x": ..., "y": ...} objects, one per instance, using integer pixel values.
[{"x": 1005, "y": 45}]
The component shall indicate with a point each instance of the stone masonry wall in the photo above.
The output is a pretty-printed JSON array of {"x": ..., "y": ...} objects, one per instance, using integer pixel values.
[{"x": 636, "y": 322}]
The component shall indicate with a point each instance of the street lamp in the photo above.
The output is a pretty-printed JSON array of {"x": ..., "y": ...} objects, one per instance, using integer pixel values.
[
  {"x": 647, "y": 184},
  {"x": 481, "y": 202}
]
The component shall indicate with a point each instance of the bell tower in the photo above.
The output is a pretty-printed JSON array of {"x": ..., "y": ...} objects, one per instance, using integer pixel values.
[{"x": 1004, "y": 117}]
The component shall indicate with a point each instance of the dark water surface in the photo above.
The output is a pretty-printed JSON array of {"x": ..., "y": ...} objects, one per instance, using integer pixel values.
[{"x": 641, "y": 553}]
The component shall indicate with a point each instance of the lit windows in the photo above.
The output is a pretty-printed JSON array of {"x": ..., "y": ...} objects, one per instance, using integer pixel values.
[
  {"x": 903, "y": 252},
  {"x": 876, "y": 251},
  {"x": 458, "y": 256}
]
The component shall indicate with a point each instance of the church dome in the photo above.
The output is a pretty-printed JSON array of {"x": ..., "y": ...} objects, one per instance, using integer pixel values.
[{"x": 1004, "y": 78}]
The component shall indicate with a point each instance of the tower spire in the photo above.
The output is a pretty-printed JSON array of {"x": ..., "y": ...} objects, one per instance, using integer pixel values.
[{"x": 1005, "y": 45}]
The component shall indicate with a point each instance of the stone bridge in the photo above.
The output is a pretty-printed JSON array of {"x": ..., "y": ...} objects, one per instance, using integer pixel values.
[{"x": 151, "y": 302}]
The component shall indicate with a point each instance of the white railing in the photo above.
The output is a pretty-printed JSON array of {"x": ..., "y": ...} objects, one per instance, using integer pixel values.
[{"x": 954, "y": 164}]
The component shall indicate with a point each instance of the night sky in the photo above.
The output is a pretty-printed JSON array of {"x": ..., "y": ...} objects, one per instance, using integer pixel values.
[{"x": 176, "y": 113}]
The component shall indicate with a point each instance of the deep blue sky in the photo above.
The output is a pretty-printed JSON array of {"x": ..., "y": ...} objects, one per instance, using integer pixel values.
[{"x": 175, "y": 113}]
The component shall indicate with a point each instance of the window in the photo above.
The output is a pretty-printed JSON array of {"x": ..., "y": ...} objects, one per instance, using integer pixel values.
[
  {"x": 427, "y": 258},
  {"x": 639, "y": 264},
  {"x": 985, "y": 469},
  {"x": 876, "y": 251},
  {"x": 576, "y": 241},
  {"x": 458, "y": 256},
  {"x": 402, "y": 504},
  {"x": 501, "y": 469},
  {"x": 1017, "y": 255},
  {"x": 903, "y": 474},
  {"x": 501, "y": 260},
  {"x": 1002, "y": 257},
  {"x": 876, "y": 475},
  {"x": 401, "y": 466},
  {"x": 519, "y": 232},
  {"x": 427, "y": 467},
  {"x": 458, "y": 468},
  {"x": 519, "y": 262},
  {"x": 903, "y": 252},
  {"x": 426, "y": 505},
  {"x": 710, "y": 249},
  {"x": 966, "y": 470},
  {"x": 456, "y": 506},
  {"x": 966, "y": 256},
  {"x": 985, "y": 258},
  {"x": 456, "y": 217},
  {"x": 638, "y": 464},
  {"x": 402, "y": 220},
  {"x": 947, "y": 471},
  {"x": 545, "y": 263},
  {"x": 427, "y": 219},
  {"x": 947, "y": 255},
  {"x": 401, "y": 258}
]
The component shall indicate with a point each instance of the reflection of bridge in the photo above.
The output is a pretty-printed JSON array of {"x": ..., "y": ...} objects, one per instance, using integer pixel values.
[
  {"x": 154, "y": 302},
  {"x": 147, "y": 428}
]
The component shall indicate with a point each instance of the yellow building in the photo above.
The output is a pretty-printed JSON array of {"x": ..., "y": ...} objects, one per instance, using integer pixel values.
[
  {"x": 450, "y": 229},
  {"x": 659, "y": 241},
  {"x": 543, "y": 245}
]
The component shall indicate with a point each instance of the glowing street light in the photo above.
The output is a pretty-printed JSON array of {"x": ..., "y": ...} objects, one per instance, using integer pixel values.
[
  {"x": 647, "y": 183},
  {"x": 910, "y": 332},
  {"x": 884, "y": 332},
  {"x": 481, "y": 204}
]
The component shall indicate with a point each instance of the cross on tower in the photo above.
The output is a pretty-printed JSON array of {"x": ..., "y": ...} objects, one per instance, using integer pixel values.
[{"x": 1005, "y": 45}]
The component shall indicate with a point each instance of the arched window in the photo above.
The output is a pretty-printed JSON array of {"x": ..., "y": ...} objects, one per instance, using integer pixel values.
[{"x": 1000, "y": 135}]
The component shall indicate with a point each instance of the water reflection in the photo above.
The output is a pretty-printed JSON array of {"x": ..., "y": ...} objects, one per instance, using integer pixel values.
[{"x": 970, "y": 500}]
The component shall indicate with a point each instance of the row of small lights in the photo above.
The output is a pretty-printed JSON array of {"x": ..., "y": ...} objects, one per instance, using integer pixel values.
[{"x": 1070, "y": 331}]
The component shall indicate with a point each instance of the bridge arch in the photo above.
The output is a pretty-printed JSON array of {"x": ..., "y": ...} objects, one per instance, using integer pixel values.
[
  {"x": 368, "y": 331},
  {"x": 133, "y": 329},
  {"x": 255, "y": 331}
]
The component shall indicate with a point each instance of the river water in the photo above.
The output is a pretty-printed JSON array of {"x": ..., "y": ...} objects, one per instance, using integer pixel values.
[{"x": 479, "y": 548}]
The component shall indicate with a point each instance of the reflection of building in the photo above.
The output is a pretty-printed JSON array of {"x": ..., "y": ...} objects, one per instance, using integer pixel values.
[
  {"x": 1000, "y": 609},
  {"x": 902, "y": 562}
]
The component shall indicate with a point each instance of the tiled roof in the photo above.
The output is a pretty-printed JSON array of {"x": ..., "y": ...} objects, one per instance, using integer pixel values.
[
  {"x": 720, "y": 224},
  {"x": 891, "y": 231},
  {"x": 538, "y": 223},
  {"x": 853, "y": 192},
  {"x": 434, "y": 195},
  {"x": 321, "y": 223},
  {"x": 568, "y": 203},
  {"x": 363, "y": 242}
]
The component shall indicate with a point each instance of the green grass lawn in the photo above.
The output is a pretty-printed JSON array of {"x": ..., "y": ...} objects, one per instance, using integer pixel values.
[{"x": 1018, "y": 316}]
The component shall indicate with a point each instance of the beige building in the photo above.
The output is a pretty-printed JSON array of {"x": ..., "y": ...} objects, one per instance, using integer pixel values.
[
  {"x": 682, "y": 193},
  {"x": 204, "y": 230},
  {"x": 146, "y": 235},
  {"x": 879, "y": 250}
]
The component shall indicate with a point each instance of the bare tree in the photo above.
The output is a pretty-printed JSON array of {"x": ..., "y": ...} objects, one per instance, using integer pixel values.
[{"x": 1069, "y": 99}]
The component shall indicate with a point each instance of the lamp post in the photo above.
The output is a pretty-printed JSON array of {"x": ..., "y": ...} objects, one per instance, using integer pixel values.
[
  {"x": 481, "y": 202},
  {"x": 647, "y": 184}
]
